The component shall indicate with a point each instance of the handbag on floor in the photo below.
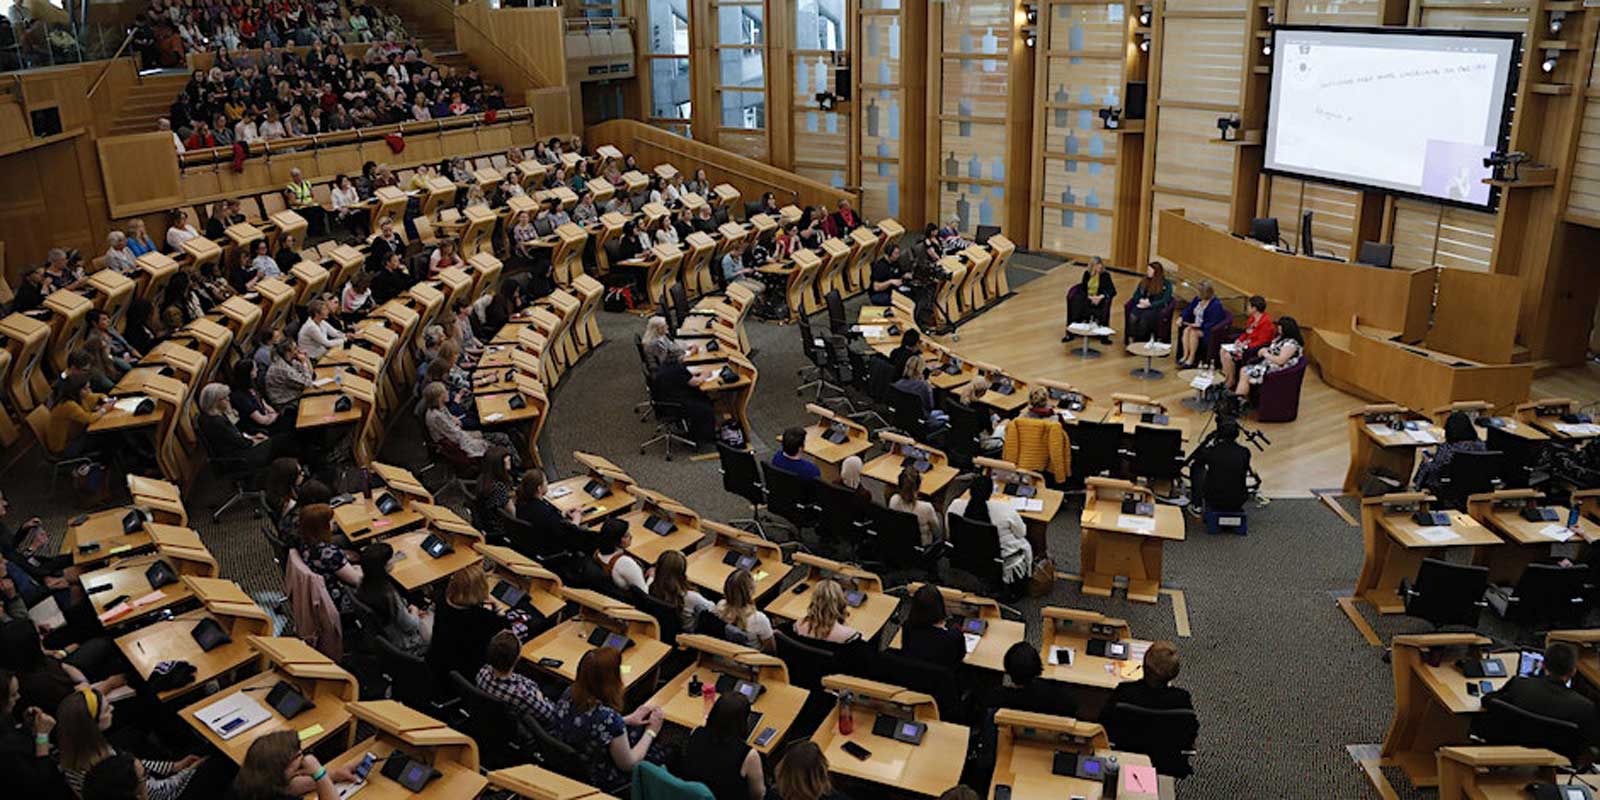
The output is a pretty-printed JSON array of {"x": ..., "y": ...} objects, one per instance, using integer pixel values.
[{"x": 1043, "y": 579}]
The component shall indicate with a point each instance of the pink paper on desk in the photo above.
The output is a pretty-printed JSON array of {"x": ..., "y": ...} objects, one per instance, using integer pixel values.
[
  {"x": 1138, "y": 778},
  {"x": 118, "y": 610},
  {"x": 153, "y": 597}
]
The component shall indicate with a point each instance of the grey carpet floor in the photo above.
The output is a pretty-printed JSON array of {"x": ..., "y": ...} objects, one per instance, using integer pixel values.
[{"x": 1281, "y": 680}]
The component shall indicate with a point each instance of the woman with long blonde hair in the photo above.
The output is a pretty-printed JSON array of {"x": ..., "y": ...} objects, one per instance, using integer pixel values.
[
  {"x": 738, "y": 608},
  {"x": 825, "y": 616}
]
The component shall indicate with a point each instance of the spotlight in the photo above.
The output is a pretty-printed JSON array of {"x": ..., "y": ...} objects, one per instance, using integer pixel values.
[
  {"x": 1225, "y": 124},
  {"x": 1144, "y": 43},
  {"x": 1550, "y": 59},
  {"x": 1031, "y": 39},
  {"x": 1557, "y": 18},
  {"x": 1033, "y": 15},
  {"x": 1111, "y": 116},
  {"x": 1144, "y": 16},
  {"x": 1272, "y": 16},
  {"x": 827, "y": 100},
  {"x": 1266, "y": 49}
]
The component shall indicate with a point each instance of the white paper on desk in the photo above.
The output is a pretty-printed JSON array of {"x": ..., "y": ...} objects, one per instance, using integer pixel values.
[
  {"x": 1027, "y": 504},
  {"x": 1203, "y": 381},
  {"x": 1064, "y": 414},
  {"x": 321, "y": 382},
  {"x": 1559, "y": 533},
  {"x": 1437, "y": 534},
  {"x": 128, "y": 405},
  {"x": 1379, "y": 429},
  {"x": 347, "y": 789},
  {"x": 1082, "y": 328},
  {"x": 559, "y": 492},
  {"x": 1061, "y": 656},
  {"x": 1102, "y": 330},
  {"x": 495, "y": 417},
  {"x": 972, "y": 640},
  {"x": 1136, "y": 523},
  {"x": 1422, "y": 437},
  {"x": 872, "y": 331}
]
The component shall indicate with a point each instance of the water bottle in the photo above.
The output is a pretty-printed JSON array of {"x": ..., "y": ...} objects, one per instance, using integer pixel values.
[
  {"x": 708, "y": 693},
  {"x": 1572, "y": 518},
  {"x": 847, "y": 720}
]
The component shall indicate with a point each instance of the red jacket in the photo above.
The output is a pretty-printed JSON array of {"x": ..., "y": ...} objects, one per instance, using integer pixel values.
[{"x": 1258, "y": 333}]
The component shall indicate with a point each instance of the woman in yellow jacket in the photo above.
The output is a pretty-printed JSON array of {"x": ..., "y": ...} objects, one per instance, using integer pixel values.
[{"x": 73, "y": 406}]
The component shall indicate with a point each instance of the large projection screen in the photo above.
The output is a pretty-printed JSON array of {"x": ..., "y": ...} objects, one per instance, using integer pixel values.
[{"x": 1405, "y": 111}]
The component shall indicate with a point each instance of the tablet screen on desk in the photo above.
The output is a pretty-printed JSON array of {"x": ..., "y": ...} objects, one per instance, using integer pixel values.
[
  {"x": 855, "y": 599},
  {"x": 509, "y": 594},
  {"x": 1530, "y": 664}
]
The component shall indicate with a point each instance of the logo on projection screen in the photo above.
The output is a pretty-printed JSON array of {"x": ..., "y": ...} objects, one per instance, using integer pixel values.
[{"x": 1455, "y": 171}]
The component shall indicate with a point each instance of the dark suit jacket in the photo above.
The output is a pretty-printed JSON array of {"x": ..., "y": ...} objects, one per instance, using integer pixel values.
[
  {"x": 1147, "y": 695},
  {"x": 1039, "y": 696},
  {"x": 939, "y": 646},
  {"x": 1547, "y": 696}
]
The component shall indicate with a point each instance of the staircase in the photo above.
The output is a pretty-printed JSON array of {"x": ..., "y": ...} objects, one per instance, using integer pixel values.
[{"x": 148, "y": 101}]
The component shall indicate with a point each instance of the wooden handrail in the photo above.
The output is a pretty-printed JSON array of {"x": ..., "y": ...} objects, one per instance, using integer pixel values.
[{"x": 126, "y": 40}]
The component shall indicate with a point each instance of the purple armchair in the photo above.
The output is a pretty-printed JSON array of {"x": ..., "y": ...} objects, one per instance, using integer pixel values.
[{"x": 1277, "y": 397}]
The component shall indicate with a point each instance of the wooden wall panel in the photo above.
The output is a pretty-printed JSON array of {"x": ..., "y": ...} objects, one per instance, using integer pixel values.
[
  {"x": 974, "y": 135},
  {"x": 1333, "y": 213},
  {"x": 1211, "y": 212},
  {"x": 1343, "y": 12},
  {"x": 1584, "y": 196},
  {"x": 519, "y": 48},
  {"x": 140, "y": 171},
  {"x": 1203, "y": 60},
  {"x": 52, "y": 199},
  {"x": 1430, "y": 234},
  {"x": 1185, "y": 156}
]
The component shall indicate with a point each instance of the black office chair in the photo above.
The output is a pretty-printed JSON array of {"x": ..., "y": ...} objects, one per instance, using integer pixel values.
[
  {"x": 502, "y": 736},
  {"x": 841, "y": 519},
  {"x": 411, "y": 680},
  {"x": 1516, "y": 457},
  {"x": 807, "y": 661},
  {"x": 670, "y": 619},
  {"x": 1546, "y": 597},
  {"x": 1446, "y": 593},
  {"x": 896, "y": 538},
  {"x": 677, "y": 300},
  {"x": 975, "y": 548},
  {"x": 838, "y": 323},
  {"x": 1157, "y": 453},
  {"x": 1377, "y": 254},
  {"x": 741, "y": 475},
  {"x": 672, "y": 423},
  {"x": 790, "y": 496},
  {"x": 1265, "y": 230},
  {"x": 963, "y": 440},
  {"x": 1096, "y": 449},
  {"x": 905, "y": 413},
  {"x": 1502, "y": 723},
  {"x": 840, "y": 372},
  {"x": 244, "y": 477},
  {"x": 1166, "y": 735},
  {"x": 944, "y": 685},
  {"x": 816, "y": 351},
  {"x": 1469, "y": 473}
]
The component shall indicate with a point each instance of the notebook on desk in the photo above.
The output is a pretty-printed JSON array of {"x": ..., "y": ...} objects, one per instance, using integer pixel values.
[{"x": 233, "y": 715}]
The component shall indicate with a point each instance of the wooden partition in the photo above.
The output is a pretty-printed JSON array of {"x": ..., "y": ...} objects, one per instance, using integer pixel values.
[
  {"x": 1378, "y": 368},
  {"x": 521, "y": 49},
  {"x": 752, "y": 178},
  {"x": 1475, "y": 315},
  {"x": 1317, "y": 292},
  {"x": 137, "y": 169}
]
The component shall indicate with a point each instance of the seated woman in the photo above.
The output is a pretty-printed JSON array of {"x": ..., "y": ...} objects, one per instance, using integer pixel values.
[
  {"x": 1202, "y": 314},
  {"x": 658, "y": 342},
  {"x": 1093, "y": 304},
  {"x": 802, "y": 774},
  {"x": 678, "y": 385},
  {"x": 1013, "y": 532},
  {"x": 718, "y": 756},
  {"x": 277, "y": 767},
  {"x": 73, "y": 407},
  {"x": 1459, "y": 436},
  {"x": 1259, "y": 331},
  {"x": 524, "y": 236},
  {"x": 826, "y": 614},
  {"x": 463, "y": 625},
  {"x": 140, "y": 327},
  {"x": 588, "y": 717},
  {"x": 914, "y": 381},
  {"x": 534, "y": 508},
  {"x": 25, "y": 746},
  {"x": 738, "y": 609},
  {"x": 104, "y": 368},
  {"x": 44, "y": 679},
  {"x": 219, "y": 426},
  {"x": 316, "y": 546},
  {"x": 1285, "y": 351},
  {"x": 1150, "y": 302},
  {"x": 444, "y": 257},
  {"x": 495, "y": 485},
  {"x": 83, "y": 717},
  {"x": 356, "y": 298},
  {"x": 924, "y": 634},
  {"x": 404, "y": 625},
  {"x": 444, "y": 426},
  {"x": 905, "y": 498},
  {"x": 289, "y": 376},
  {"x": 253, "y": 413},
  {"x": 669, "y": 583},
  {"x": 611, "y": 553}
]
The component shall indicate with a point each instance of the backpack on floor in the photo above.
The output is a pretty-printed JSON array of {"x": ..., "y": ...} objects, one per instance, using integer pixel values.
[{"x": 619, "y": 298}]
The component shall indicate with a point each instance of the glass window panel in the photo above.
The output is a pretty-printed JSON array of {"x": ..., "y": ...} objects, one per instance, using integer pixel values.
[
  {"x": 740, "y": 25},
  {"x": 740, "y": 67},
  {"x": 747, "y": 110},
  {"x": 669, "y": 27},
  {"x": 820, "y": 25},
  {"x": 669, "y": 88}
]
